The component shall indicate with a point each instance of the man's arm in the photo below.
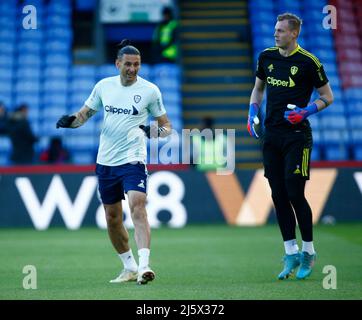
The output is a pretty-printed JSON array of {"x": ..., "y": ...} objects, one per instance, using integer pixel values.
[
  {"x": 163, "y": 127},
  {"x": 258, "y": 92},
  {"x": 82, "y": 116},
  {"x": 325, "y": 97},
  {"x": 255, "y": 102},
  {"x": 77, "y": 119}
]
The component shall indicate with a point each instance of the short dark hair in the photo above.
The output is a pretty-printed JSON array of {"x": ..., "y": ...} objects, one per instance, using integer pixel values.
[
  {"x": 294, "y": 21},
  {"x": 124, "y": 47}
]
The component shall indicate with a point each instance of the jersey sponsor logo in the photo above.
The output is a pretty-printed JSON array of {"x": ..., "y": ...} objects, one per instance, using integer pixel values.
[
  {"x": 115, "y": 110},
  {"x": 293, "y": 70},
  {"x": 277, "y": 82},
  {"x": 137, "y": 98},
  {"x": 270, "y": 67}
]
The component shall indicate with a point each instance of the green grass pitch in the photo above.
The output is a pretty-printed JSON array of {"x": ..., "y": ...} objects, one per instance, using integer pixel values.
[{"x": 197, "y": 262}]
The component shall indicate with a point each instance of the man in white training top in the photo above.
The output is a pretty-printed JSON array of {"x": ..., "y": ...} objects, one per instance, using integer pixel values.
[{"x": 126, "y": 100}]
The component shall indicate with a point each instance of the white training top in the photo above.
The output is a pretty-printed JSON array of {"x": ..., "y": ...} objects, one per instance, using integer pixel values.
[{"x": 125, "y": 109}]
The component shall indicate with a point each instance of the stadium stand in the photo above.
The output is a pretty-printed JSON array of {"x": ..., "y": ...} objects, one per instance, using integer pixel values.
[{"x": 37, "y": 68}]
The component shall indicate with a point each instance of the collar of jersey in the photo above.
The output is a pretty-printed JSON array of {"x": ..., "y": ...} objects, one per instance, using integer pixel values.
[{"x": 293, "y": 52}]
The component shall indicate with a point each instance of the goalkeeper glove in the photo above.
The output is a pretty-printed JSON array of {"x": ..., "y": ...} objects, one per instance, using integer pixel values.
[
  {"x": 65, "y": 121},
  {"x": 297, "y": 115},
  {"x": 253, "y": 119}
]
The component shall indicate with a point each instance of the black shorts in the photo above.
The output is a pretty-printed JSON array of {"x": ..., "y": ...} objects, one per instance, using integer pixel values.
[{"x": 287, "y": 155}]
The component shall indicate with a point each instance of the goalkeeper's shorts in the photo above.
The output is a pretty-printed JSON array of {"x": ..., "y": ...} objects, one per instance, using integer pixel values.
[{"x": 287, "y": 155}]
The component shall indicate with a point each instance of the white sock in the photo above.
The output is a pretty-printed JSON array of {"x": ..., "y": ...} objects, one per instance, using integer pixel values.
[
  {"x": 291, "y": 246},
  {"x": 128, "y": 260},
  {"x": 144, "y": 255},
  {"x": 307, "y": 246}
]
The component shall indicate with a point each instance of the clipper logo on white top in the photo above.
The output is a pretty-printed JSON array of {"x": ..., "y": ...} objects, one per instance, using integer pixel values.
[{"x": 115, "y": 110}]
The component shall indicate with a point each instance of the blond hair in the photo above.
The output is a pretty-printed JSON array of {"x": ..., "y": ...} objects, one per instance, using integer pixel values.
[{"x": 294, "y": 21}]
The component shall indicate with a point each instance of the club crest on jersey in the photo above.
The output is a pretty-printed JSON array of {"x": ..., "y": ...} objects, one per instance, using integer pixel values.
[
  {"x": 271, "y": 67},
  {"x": 137, "y": 98},
  {"x": 293, "y": 70}
]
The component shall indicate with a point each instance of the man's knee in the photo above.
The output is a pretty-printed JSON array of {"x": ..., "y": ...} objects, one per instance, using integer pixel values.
[
  {"x": 138, "y": 209},
  {"x": 113, "y": 214},
  {"x": 295, "y": 189}
]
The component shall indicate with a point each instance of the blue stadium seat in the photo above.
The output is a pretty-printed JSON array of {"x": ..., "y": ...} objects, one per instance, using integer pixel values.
[
  {"x": 335, "y": 109},
  {"x": 6, "y": 74},
  {"x": 354, "y": 107},
  {"x": 262, "y": 29},
  {"x": 29, "y": 47},
  {"x": 6, "y": 61},
  {"x": 81, "y": 85},
  {"x": 82, "y": 140},
  {"x": 335, "y": 137},
  {"x": 330, "y": 68},
  {"x": 145, "y": 71},
  {"x": 357, "y": 153},
  {"x": 57, "y": 46},
  {"x": 35, "y": 35},
  {"x": 8, "y": 34},
  {"x": 77, "y": 99},
  {"x": 54, "y": 112},
  {"x": 166, "y": 71},
  {"x": 31, "y": 99},
  {"x": 85, "y": 157},
  {"x": 48, "y": 128},
  {"x": 312, "y": 4},
  {"x": 58, "y": 20},
  {"x": 106, "y": 70},
  {"x": 27, "y": 86},
  {"x": 59, "y": 34},
  {"x": 32, "y": 60},
  {"x": 6, "y": 98},
  {"x": 333, "y": 122},
  {"x": 83, "y": 71},
  {"x": 6, "y": 88},
  {"x": 353, "y": 94},
  {"x": 55, "y": 86},
  {"x": 316, "y": 154},
  {"x": 263, "y": 41},
  {"x": 262, "y": 16},
  {"x": 314, "y": 122},
  {"x": 5, "y": 144},
  {"x": 336, "y": 153},
  {"x": 29, "y": 74},
  {"x": 355, "y": 121},
  {"x": 167, "y": 84},
  {"x": 4, "y": 159},
  {"x": 324, "y": 55},
  {"x": 7, "y": 47},
  {"x": 172, "y": 97},
  {"x": 63, "y": 8},
  {"x": 260, "y": 4},
  {"x": 60, "y": 60},
  {"x": 52, "y": 72},
  {"x": 54, "y": 99}
]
